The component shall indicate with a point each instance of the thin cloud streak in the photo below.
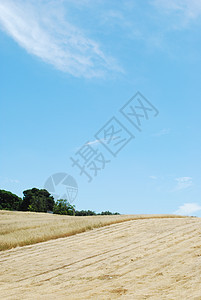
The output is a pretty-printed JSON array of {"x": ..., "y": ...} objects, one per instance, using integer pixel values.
[
  {"x": 187, "y": 9},
  {"x": 42, "y": 30},
  {"x": 183, "y": 183},
  {"x": 101, "y": 141},
  {"x": 161, "y": 133},
  {"x": 9, "y": 181},
  {"x": 153, "y": 177}
]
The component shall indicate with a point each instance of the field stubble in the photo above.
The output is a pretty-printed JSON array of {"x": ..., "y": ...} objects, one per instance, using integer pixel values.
[
  {"x": 27, "y": 228},
  {"x": 147, "y": 257}
]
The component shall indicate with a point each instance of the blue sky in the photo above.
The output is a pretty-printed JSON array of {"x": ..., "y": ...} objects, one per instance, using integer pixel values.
[{"x": 67, "y": 67}]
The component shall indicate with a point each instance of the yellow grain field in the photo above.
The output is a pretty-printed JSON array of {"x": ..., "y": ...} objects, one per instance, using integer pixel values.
[
  {"x": 147, "y": 257},
  {"x": 26, "y": 228}
]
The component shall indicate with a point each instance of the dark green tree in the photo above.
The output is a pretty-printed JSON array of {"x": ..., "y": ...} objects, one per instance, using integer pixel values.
[
  {"x": 85, "y": 213},
  {"x": 37, "y": 200},
  {"x": 63, "y": 207},
  {"x": 103, "y": 213},
  {"x": 9, "y": 201}
]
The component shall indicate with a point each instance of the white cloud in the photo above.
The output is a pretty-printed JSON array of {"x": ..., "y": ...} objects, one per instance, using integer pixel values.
[
  {"x": 9, "y": 180},
  {"x": 183, "y": 183},
  {"x": 162, "y": 132},
  {"x": 41, "y": 28},
  {"x": 187, "y": 9},
  {"x": 153, "y": 177},
  {"x": 95, "y": 142},
  {"x": 188, "y": 209}
]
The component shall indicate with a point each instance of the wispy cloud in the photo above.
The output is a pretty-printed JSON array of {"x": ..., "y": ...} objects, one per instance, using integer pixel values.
[
  {"x": 161, "y": 132},
  {"x": 101, "y": 140},
  {"x": 183, "y": 183},
  {"x": 188, "y": 209},
  {"x": 95, "y": 142},
  {"x": 153, "y": 177},
  {"x": 187, "y": 10},
  {"x": 41, "y": 28},
  {"x": 6, "y": 180},
  {"x": 98, "y": 142}
]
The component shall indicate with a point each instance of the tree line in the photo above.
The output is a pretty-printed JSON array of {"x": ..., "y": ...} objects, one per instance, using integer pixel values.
[{"x": 40, "y": 200}]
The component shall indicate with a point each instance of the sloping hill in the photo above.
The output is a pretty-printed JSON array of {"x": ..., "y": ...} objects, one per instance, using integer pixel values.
[
  {"x": 138, "y": 259},
  {"x": 26, "y": 228}
]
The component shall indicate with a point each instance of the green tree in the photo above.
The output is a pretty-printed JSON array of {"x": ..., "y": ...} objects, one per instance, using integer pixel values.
[
  {"x": 9, "y": 201},
  {"x": 103, "y": 213},
  {"x": 85, "y": 213},
  {"x": 37, "y": 200},
  {"x": 63, "y": 207}
]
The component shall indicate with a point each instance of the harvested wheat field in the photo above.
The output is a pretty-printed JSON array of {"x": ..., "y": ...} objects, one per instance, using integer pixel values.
[
  {"x": 144, "y": 258},
  {"x": 27, "y": 228}
]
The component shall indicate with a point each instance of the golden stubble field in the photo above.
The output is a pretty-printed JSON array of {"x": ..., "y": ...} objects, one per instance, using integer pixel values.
[
  {"x": 27, "y": 228},
  {"x": 147, "y": 257}
]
